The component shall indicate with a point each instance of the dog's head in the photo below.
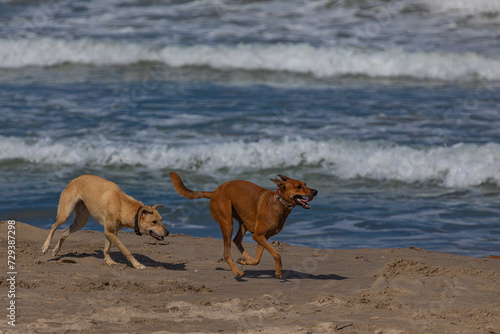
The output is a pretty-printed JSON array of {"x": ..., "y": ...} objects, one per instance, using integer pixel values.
[
  {"x": 295, "y": 192},
  {"x": 150, "y": 222}
]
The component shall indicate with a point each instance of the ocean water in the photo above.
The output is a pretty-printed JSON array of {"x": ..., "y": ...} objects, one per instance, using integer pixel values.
[{"x": 391, "y": 109}]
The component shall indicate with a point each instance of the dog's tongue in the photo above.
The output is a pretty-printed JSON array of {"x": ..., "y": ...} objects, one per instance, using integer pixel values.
[
  {"x": 304, "y": 203},
  {"x": 156, "y": 236},
  {"x": 304, "y": 200}
]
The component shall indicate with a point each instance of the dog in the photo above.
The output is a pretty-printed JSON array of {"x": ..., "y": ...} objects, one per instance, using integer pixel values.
[
  {"x": 112, "y": 208},
  {"x": 260, "y": 211}
]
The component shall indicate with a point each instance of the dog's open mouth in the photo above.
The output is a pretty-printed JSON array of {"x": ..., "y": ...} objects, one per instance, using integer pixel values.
[
  {"x": 156, "y": 236},
  {"x": 302, "y": 201}
]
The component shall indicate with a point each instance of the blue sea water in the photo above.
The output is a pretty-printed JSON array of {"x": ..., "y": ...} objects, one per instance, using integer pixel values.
[{"x": 391, "y": 109}]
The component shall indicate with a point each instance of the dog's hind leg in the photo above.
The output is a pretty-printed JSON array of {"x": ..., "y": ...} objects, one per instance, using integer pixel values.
[
  {"x": 238, "y": 238},
  {"x": 81, "y": 218},
  {"x": 246, "y": 259},
  {"x": 255, "y": 261},
  {"x": 226, "y": 235},
  {"x": 222, "y": 214},
  {"x": 67, "y": 201}
]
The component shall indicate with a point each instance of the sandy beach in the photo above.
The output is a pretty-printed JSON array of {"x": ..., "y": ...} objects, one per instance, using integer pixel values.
[{"x": 188, "y": 288}]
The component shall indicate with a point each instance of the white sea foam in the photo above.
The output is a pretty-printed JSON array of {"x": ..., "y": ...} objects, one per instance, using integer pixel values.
[
  {"x": 467, "y": 6},
  {"x": 321, "y": 62},
  {"x": 462, "y": 165}
]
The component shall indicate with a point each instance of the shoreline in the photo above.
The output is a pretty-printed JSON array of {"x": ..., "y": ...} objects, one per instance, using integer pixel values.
[
  {"x": 187, "y": 287},
  {"x": 213, "y": 231}
]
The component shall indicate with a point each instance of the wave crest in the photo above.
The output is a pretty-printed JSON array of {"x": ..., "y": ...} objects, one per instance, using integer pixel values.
[
  {"x": 320, "y": 62},
  {"x": 462, "y": 165}
]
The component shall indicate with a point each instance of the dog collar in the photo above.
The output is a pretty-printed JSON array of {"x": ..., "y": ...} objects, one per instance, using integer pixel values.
[
  {"x": 282, "y": 201},
  {"x": 137, "y": 222}
]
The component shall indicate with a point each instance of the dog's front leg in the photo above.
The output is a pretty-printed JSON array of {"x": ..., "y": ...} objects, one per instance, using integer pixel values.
[
  {"x": 107, "y": 257},
  {"x": 111, "y": 236},
  {"x": 262, "y": 240}
]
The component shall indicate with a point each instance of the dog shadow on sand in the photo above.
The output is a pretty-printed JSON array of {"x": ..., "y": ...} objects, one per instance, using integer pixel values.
[
  {"x": 120, "y": 259},
  {"x": 287, "y": 275}
]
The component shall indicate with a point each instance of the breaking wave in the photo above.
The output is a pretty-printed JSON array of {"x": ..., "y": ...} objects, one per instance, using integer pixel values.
[
  {"x": 461, "y": 165},
  {"x": 319, "y": 62}
]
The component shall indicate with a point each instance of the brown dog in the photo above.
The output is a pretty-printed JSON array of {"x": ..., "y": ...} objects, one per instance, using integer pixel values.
[
  {"x": 111, "y": 207},
  {"x": 258, "y": 210}
]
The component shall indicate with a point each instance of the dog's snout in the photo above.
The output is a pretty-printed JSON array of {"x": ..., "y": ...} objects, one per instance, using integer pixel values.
[
  {"x": 315, "y": 192},
  {"x": 167, "y": 233}
]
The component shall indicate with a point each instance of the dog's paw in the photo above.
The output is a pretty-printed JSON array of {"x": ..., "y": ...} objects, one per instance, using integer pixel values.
[
  {"x": 247, "y": 261},
  {"x": 110, "y": 262},
  {"x": 239, "y": 274},
  {"x": 139, "y": 266},
  {"x": 45, "y": 249}
]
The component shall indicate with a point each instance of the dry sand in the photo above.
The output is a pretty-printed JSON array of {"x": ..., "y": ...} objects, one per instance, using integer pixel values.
[{"x": 188, "y": 288}]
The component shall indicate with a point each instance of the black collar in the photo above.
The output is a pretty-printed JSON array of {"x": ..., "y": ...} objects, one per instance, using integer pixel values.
[{"x": 137, "y": 222}]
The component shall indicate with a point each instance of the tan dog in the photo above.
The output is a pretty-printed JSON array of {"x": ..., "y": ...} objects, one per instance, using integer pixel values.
[
  {"x": 258, "y": 210},
  {"x": 111, "y": 207}
]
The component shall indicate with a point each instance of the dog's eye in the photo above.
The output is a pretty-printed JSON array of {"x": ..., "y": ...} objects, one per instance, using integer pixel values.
[
  {"x": 154, "y": 222},
  {"x": 299, "y": 186}
]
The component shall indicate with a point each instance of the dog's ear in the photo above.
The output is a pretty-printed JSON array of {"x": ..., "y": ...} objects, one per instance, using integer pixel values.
[
  {"x": 279, "y": 183},
  {"x": 156, "y": 206},
  {"x": 283, "y": 177},
  {"x": 145, "y": 212}
]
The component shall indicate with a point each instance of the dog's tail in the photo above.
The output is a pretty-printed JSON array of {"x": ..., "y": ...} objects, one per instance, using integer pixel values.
[{"x": 186, "y": 192}]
